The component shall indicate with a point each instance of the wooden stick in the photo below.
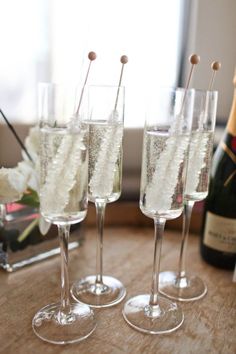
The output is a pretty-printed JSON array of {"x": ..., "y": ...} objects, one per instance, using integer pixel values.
[
  {"x": 215, "y": 65},
  {"x": 194, "y": 59},
  {"x": 123, "y": 60},
  {"x": 92, "y": 56},
  {"x": 16, "y": 135}
]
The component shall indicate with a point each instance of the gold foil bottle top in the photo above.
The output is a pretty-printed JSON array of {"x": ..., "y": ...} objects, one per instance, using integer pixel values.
[
  {"x": 231, "y": 125},
  {"x": 234, "y": 79}
]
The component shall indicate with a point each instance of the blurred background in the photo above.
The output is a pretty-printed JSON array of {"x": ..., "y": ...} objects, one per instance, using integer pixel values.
[{"x": 48, "y": 40}]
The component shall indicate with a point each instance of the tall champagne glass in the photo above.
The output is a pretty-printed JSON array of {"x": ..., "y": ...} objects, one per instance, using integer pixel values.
[
  {"x": 181, "y": 285},
  {"x": 165, "y": 147},
  {"x": 63, "y": 201},
  {"x": 105, "y": 124}
]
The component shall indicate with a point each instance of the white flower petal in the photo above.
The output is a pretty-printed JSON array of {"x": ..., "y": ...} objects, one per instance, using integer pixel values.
[
  {"x": 12, "y": 185},
  {"x": 44, "y": 225}
]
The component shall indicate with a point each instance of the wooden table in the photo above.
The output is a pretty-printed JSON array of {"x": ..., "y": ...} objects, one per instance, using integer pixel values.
[{"x": 209, "y": 326}]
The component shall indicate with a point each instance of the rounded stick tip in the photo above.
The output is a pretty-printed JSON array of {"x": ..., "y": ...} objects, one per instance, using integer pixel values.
[
  {"x": 124, "y": 59},
  {"x": 216, "y": 65},
  {"x": 92, "y": 56},
  {"x": 194, "y": 59}
]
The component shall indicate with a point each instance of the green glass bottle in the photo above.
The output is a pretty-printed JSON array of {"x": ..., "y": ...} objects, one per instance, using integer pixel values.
[{"x": 218, "y": 242}]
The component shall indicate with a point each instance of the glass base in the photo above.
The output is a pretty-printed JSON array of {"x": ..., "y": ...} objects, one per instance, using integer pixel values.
[
  {"x": 54, "y": 326},
  {"x": 188, "y": 288},
  {"x": 164, "y": 318},
  {"x": 108, "y": 293}
]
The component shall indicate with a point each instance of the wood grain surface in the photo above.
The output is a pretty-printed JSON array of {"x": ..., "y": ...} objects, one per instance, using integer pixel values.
[
  {"x": 209, "y": 326},
  {"x": 128, "y": 213}
]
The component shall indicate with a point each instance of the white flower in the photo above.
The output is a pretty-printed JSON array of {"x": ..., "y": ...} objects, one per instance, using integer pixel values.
[
  {"x": 15, "y": 181},
  {"x": 12, "y": 185}
]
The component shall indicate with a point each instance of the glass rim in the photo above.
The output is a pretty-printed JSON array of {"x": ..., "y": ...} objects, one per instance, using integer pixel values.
[
  {"x": 62, "y": 84},
  {"x": 174, "y": 88},
  {"x": 179, "y": 88},
  {"x": 106, "y": 86},
  {"x": 212, "y": 92}
]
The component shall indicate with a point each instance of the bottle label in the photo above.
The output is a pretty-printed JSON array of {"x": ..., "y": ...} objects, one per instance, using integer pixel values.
[
  {"x": 220, "y": 233},
  {"x": 228, "y": 151}
]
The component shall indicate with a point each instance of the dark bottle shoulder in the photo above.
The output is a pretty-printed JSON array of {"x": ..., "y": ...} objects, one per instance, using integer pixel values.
[
  {"x": 224, "y": 158},
  {"x": 228, "y": 142}
]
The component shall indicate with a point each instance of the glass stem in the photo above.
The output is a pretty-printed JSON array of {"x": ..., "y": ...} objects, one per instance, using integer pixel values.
[
  {"x": 3, "y": 213},
  {"x": 100, "y": 213},
  {"x": 64, "y": 232},
  {"x": 159, "y": 225},
  {"x": 188, "y": 207}
]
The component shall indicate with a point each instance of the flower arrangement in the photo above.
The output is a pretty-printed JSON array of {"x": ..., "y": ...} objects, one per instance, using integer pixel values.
[
  {"x": 21, "y": 185},
  {"x": 21, "y": 182}
]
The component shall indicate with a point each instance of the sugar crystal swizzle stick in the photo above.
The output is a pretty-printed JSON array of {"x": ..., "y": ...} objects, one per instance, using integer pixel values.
[
  {"x": 159, "y": 196},
  {"x": 200, "y": 142},
  {"x": 109, "y": 149}
]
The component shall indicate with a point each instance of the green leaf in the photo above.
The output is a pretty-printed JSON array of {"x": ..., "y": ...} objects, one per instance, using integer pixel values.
[
  {"x": 30, "y": 198},
  {"x": 28, "y": 230}
]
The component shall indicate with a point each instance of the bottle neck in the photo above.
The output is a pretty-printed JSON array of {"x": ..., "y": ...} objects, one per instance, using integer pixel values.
[
  {"x": 228, "y": 143},
  {"x": 231, "y": 125}
]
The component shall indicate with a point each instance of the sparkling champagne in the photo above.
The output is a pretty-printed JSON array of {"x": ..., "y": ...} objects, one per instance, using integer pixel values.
[
  {"x": 199, "y": 162},
  {"x": 63, "y": 176},
  {"x": 105, "y": 160},
  {"x": 162, "y": 178}
]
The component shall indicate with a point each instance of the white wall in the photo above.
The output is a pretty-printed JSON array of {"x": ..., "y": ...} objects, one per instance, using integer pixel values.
[
  {"x": 212, "y": 34},
  {"x": 213, "y": 37}
]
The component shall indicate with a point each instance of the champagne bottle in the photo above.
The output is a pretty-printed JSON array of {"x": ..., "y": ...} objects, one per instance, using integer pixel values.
[{"x": 218, "y": 242}]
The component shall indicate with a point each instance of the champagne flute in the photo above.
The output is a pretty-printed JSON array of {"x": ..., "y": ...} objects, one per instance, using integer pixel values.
[
  {"x": 181, "y": 285},
  {"x": 165, "y": 147},
  {"x": 63, "y": 201},
  {"x": 105, "y": 124}
]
